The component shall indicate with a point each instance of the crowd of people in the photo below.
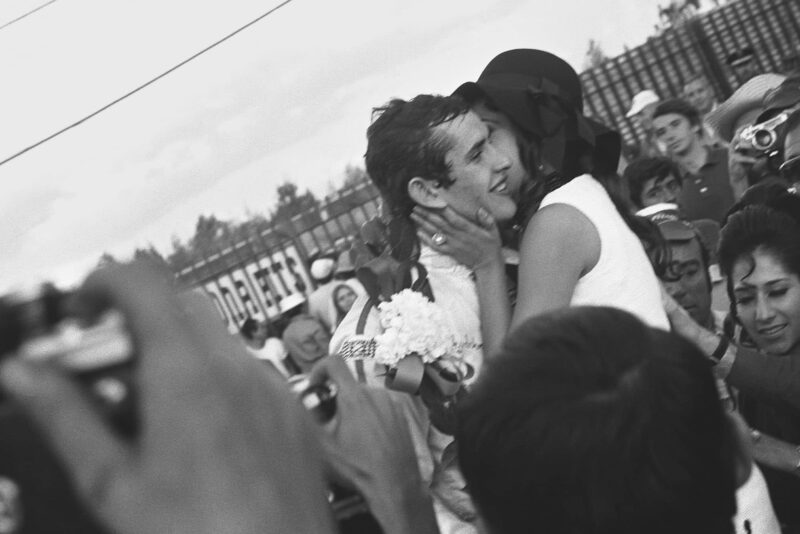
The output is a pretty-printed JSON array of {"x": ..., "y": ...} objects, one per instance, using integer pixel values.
[{"x": 620, "y": 348}]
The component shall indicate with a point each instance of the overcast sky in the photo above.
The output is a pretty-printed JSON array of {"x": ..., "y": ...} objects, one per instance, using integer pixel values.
[{"x": 288, "y": 98}]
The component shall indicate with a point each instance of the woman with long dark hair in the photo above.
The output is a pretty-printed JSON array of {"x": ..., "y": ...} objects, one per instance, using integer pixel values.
[
  {"x": 579, "y": 244},
  {"x": 759, "y": 255}
]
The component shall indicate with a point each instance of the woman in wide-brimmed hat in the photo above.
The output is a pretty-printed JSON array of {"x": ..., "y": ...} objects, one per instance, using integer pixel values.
[{"x": 580, "y": 246}]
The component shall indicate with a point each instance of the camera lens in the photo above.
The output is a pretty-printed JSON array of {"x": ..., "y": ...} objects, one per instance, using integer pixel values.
[{"x": 763, "y": 139}]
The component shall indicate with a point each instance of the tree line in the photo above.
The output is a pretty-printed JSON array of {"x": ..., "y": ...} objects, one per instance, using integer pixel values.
[{"x": 211, "y": 234}]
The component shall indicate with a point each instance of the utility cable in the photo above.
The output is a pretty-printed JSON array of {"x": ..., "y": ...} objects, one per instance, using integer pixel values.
[
  {"x": 31, "y": 12},
  {"x": 147, "y": 83}
]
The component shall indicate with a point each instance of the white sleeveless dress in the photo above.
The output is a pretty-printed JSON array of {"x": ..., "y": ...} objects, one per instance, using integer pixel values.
[{"x": 623, "y": 277}]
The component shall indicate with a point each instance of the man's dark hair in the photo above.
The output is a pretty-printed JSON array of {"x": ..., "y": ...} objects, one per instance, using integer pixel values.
[
  {"x": 680, "y": 107},
  {"x": 402, "y": 144},
  {"x": 591, "y": 422},
  {"x": 705, "y": 254},
  {"x": 694, "y": 77},
  {"x": 642, "y": 170}
]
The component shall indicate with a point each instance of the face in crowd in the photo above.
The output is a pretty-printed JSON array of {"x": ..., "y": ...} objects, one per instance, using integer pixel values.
[
  {"x": 504, "y": 136},
  {"x": 344, "y": 297},
  {"x": 767, "y": 299},
  {"x": 698, "y": 93},
  {"x": 652, "y": 181},
  {"x": 759, "y": 253},
  {"x": 790, "y": 170},
  {"x": 645, "y": 117},
  {"x": 688, "y": 281},
  {"x": 659, "y": 190},
  {"x": 479, "y": 170},
  {"x": 676, "y": 132}
]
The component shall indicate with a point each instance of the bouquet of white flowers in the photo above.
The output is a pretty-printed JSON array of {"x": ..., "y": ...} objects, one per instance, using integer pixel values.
[{"x": 416, "y": 335}]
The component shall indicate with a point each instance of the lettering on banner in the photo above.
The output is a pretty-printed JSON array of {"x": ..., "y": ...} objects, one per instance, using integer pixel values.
[
  {"x": 259, "y": 285},
  {"x": 243, "y": 290},
  {"x": 299, "y": 284},
  {"x": 264, "y": 287},
  {"x": 232, "y": 304},
  {"x": 263, "y": 278},
  {"x": 221, "y": 308}
]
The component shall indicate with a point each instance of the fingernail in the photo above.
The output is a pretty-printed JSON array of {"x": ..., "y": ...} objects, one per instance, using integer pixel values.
[
  {"x": 482, "y": 213},
  {"x": 16, "y": 376}
]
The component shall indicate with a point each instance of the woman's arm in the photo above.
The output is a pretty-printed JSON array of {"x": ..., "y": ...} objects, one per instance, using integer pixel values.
[
  {"x": 477, "y": 246},
  {"x": 745, "y": 369},
  {"x": 559, "y": 246},
  {"x": 776, "y": 453}
]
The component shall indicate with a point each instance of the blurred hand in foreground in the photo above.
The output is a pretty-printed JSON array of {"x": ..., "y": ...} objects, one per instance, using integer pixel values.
[
  {"x": 221, "y": 448},
  {"x": 368, "y": 447}
]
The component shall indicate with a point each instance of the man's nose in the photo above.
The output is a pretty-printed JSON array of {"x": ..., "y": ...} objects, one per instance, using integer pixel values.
[
  {"x": 675, "y": 290},
  {"x": 501, "y": 160}
]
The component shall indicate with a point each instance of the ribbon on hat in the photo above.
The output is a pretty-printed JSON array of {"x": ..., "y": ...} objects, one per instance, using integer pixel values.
[{"x": 547, "y": 106}]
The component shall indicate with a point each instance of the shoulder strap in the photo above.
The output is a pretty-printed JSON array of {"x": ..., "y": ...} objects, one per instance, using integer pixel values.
[
  {"x": 422, "y": 284},
  {"x": 362, "y": 321}
]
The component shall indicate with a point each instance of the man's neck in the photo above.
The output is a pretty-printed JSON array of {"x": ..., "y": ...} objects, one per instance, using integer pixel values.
[{"x": 694, "y": 158}]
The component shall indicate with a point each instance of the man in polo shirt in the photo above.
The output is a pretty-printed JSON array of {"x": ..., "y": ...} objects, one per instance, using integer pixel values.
[{"x": 706, "y": 192}]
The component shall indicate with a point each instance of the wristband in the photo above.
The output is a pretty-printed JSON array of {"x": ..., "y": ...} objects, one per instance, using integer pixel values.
[{"x": 721, "y": 349}]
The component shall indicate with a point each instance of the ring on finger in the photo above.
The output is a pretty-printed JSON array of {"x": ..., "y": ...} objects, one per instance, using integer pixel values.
[{"x": 439, "y": 239}]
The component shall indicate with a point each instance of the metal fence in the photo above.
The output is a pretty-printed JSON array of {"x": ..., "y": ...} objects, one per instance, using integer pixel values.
[
  {"x": 252, "y": 276},
  {"x": 770, "y": 27}
]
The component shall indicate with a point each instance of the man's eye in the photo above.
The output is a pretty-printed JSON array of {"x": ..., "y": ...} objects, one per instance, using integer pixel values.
[
  {"x": 477, "y": 156},
  {"x": 691, "y": 271},
  {"x": 778, "y": 292}
]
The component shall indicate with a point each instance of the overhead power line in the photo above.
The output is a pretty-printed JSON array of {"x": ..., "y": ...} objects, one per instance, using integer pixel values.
[
  {"x": 147, "y": 83},
  {"x": 31, "y": 12}
]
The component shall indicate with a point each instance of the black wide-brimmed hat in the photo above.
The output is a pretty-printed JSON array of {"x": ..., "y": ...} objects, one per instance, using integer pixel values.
[{"x": 543, "y": 96}]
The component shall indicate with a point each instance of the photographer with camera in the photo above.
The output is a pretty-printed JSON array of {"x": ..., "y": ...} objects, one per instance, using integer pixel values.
[{"x": 756, "y": 119}]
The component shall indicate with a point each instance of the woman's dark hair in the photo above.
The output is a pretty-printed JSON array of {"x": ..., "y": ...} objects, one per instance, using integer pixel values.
[
  {"x": 590, "y": 421},
  {"x": 335, "y": 295},
  {"x": 578, "y": 160},
  {"x": 768, "y": 219}
]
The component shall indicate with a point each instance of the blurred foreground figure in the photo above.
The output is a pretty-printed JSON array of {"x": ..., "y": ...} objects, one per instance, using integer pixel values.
[
  {"x": 207, "y": 458},
  {"x": 589, "y": 421}
]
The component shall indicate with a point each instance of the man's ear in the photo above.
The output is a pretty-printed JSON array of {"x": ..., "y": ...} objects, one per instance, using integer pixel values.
[{"x": 426, "y": 193}]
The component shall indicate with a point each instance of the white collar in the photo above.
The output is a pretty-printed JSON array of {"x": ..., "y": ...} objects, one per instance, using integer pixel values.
[{"x": 433, "y": 259}]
